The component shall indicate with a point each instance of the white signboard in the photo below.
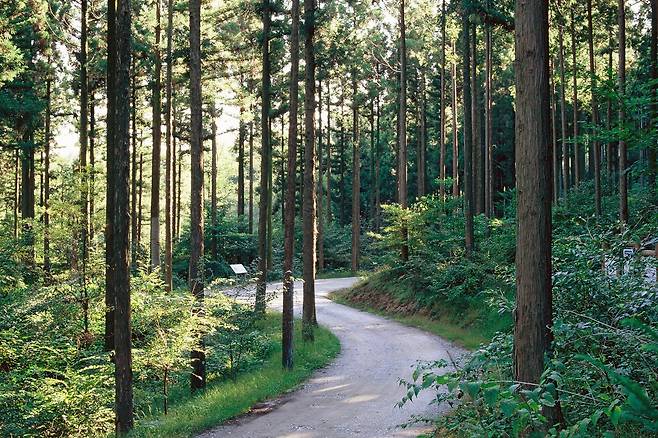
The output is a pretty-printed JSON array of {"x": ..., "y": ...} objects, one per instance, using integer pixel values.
[{"x": 239, "y": 269}]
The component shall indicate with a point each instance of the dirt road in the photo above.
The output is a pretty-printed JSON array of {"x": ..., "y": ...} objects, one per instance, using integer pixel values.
[{"x": 355, "y": 396}]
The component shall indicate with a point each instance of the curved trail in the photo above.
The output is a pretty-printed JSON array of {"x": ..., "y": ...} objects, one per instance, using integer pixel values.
[{"x": 355, "y": 396}]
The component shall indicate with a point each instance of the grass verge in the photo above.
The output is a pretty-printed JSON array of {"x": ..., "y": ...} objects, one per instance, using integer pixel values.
[
  {"x": 227, "y": 399},
  {"x": 468, "y": 327}
]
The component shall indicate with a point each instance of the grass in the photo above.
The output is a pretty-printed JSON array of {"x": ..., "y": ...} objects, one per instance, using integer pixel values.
[
  {"x": 468, "y": 328},
  {"x": 226, "y": 399}
]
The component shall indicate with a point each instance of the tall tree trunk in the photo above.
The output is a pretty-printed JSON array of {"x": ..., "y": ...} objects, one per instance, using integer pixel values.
[
  {"x": 140, "y": 184},
  {"x": 320, "y": 204},
  {"x": 170, "y": 153},
  {"x": 623, "y": 178},
  {"x": 241, "y": 139},
  {"x": 596, "y": 147},
  {"x": 356, "y": 174},
  {"x": 121, "y": 222},
  {"x": 468, "y": 138},
  {"x": 265, "y": 153},
  {"x": 455, "y": 134},
  {"x": 213, "y": 187},
  {"x": 309, "y": 205},
  {"x": 373, "y": 152},
  {"x": 134, "y": 241},
  {"x": 92, "y": 162},
  {"x": 196, "y": 274},
  {"x": 442, "y": 110},
  {"x": 157, "y": 140},
  {"x": 328, "y": 165},
  {"x": 488, "y": 131},
  {"x": 16, "y": 191},
  {"x": 83, "y": 171},
  {"x": 46, "y": 181},
  {"x": 563, "y": 109},
  {"x": 651, "y": 155},
  {"x": 377, "y": 217},
  {"x": 402, "y": 128},
  {"x": 610, "y": 147},
  {"x": 251, "y": 178},
  {"x": 110, "y": 291},
  {"x": 556, "y": 159},
  {"x": 289, "y": 219},
  {"x": 577, "y": 153},
  {"x": 477, "y": 156},
  {"x": 533, "y": 318}
]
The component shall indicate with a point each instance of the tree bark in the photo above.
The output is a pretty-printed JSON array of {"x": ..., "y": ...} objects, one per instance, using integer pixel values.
[
  {"x": 265, "y": 154},
  {"x": 563, "y": 109},
  {"x": 488, "y": 131},
  {"x": 241, "y": 139},
  {"x": 442, "y": 110},
  {"x": 402, "y": 129},
  {"x": 596, "y": 147},
  {"x": 121, "y": 222},
  {"x": 309, "y": 205},
  {"x": 651, "y": 154},
  {"x": 110, "y": 185},
  {"x": 577, "y": 153},
  {"x": 289, "y": 219},
  {"x": 533, "y": 316},
  {"x": 468, "y": 138},
  {"x": 157, "y": 140},
  {"x": 477, "y": 156},
  {"x": 46, "y": 181},
  {"x": 356, "y": 174},
  {"x": 328, "y": 164},
  {"x": 455, "y": 134},
  {"x": 170, "y": 153},
  {"x": 196, "y": 274},
  {"x": 251, "y": 178},
  {"x": 623, "y": 178},
  {"x": 213, "y": 187}
]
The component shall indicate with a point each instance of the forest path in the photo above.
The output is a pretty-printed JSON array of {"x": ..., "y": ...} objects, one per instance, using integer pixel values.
[{"x": 355, "y": 395}]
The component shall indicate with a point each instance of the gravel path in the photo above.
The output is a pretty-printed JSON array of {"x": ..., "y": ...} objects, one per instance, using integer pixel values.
[{"x": 355, "y": 396}]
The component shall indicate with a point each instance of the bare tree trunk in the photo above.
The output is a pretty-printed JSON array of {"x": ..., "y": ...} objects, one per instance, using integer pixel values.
[
  {"x": 251, "y": 178},
  {"x": 455, "y": 134},
  {"x": 110, "y": 291},
  {"x": 356, "y": 174},
  {"x": 328, "y": 165},
  {"x": 320, "y": 203},
  {"x": 309, "y": 205},
  {"x": 378, "y": 203},
  {"x": 46, "y": 181},
  {"x": 213, "y": 187},
  {"x": 651, "y": 154},
  {"x": 402, "y": 128},
  {"x": 241, "y": 139},
  {"x": 16, "y": 191},
  {"x": 477, "y": 155},
  {"x": 468, "y": 138},
  {"x": 578, "y": 159},
  {"x": 533, "y": 317},
  {"x": 133, "y": 211},
  {"x": 488, "y": 132},
  {"x": 157, "y": 140},
  {"x": 610, "y": 148},
  {"x": 265, "y": 153},
  {"x": 563, "y": 109},
  {"x": 623, "y": 178},
  {"x": 83, "y": 171},
  {"x": 442, "y": 110},
  {"x": 556, "y": 160},
  {"x": 169, "y": 144},
  {"x": 121, "y": 220},
  {"x": 140, "y": 183},
  {"x": 289, "y": 219},
  {"x": 196, "y": 272},
  {"x": 92, "y": 163},
  {"x": 596, "y": 147}
]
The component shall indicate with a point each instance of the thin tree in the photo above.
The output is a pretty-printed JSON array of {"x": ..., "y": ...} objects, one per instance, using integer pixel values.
[
  {"x": 46, "y": 179},
  {"x": 213, "y": 186},
  {"x": 356, "y": 169},
  {"x": 442, "y": 110},
  {"x": 596, "y": 148},
  {"x": 623, "y": 178},
  {"x": 265, "y": 159},
  {"x": 309, "y": 204},
  {"x": 110, "y": 185},
  {"x": 488, "y": 130},
  {"x": 563, "y": 107},
  {"x": 455, "y": 134},
  {"x": 157, "y": 140},
  {"x": 84, "y": 140},
  {"x": 654, "y": 93},
  {"x": 402, "y": 131},
  {"x": 169, "y": 157},
  {"x": 121, "y": 221},
  {"x": 289, "y": 215},
  {"x": 468, "y": 138},
  {"x": 198, "y": 377},
  {"x": 532, "y": 331},
  {"x": 577, "y": 153}
]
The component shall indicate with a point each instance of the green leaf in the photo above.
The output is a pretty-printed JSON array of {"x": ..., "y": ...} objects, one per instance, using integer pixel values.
[{"x": 491, "y": 395}]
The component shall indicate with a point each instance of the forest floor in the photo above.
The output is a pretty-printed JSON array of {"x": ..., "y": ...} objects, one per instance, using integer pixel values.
[{"x": 357, "y": 394}]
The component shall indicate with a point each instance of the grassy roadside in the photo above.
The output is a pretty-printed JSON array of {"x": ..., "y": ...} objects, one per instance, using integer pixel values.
[
  {"x": 468, "y": 328},
  {"x": 226, "y": 399}
]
